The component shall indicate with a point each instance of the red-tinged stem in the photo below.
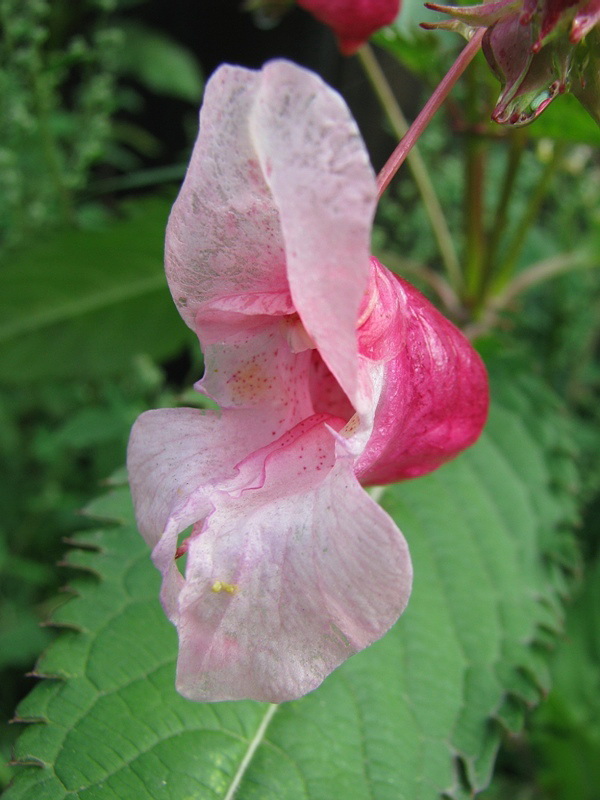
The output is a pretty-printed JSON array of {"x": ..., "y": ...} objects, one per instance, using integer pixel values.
[{"x": 444, "y": 88}]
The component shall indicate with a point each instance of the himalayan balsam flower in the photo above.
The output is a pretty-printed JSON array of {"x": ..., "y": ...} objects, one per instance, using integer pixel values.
[
  {"x": 537, "y": 49},
  {"x": 353, "y": 21},
  {"x": 330, "y": 372}
]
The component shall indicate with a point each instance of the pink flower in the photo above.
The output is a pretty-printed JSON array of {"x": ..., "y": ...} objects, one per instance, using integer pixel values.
[
  {"x": 353, "y": 21},
  {"x": 331, "y": 373}
]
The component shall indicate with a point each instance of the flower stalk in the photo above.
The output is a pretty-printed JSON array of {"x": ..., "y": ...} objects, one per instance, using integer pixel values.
[
  {"x": 431, "y": 107},
  {"x": 416, "y": 164}
]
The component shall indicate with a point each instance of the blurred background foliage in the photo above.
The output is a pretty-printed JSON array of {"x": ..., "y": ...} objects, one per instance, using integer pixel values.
[{"x": 98, "y": 105}]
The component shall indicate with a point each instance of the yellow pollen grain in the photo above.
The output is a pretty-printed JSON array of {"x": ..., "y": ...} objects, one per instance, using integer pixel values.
[{"x": 221, "y": 586}]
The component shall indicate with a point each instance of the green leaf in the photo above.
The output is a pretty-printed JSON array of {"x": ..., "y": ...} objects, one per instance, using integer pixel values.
[
  {"x": 416, "y": 716},
  {"x": 159, "y": 63},
  {"x": 85, "y": 303},
  {"x": 566, "y": 120}
]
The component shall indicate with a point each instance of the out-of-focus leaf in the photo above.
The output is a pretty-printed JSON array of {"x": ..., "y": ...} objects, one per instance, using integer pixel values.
[
  {"x": 160, "y": 64},
  {"x": 566, "y": 119},
  {"x": 417, "y": 715},
  {"x": 419, "y": 52},
  {"x": 85, "y": 303},
  {"x": 21, "y": 637}
]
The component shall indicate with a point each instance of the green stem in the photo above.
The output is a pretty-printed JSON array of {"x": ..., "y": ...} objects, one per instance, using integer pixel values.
[
  {"x": 153, "y": 176},
  {"x": 417, "y": 166},
  {"x": 533, "y": 275},
  {"x": 475, "y": 254},
  {"x": 543, "y": 271},
  {"x": 509, "y": 263},
  {"x": 430, "y": 108},
  {"x": 517, "y": 147}
]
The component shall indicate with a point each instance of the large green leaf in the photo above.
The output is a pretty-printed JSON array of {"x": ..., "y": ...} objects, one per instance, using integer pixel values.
[
  {"x": 84, "y": 303},
  {"x": 417, "y": 715}
]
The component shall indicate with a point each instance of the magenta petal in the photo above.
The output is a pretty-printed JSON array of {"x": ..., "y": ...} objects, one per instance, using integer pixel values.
[
  {"x": 288, "y": 580},
  {"x": 434, "y": 399},
  {"x": 321, "y": 180}
]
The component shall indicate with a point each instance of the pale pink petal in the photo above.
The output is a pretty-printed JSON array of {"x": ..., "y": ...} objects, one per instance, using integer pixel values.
[
  {"x": 288, "y": 580},
  {"x": 223, "y": 236},
  {"x": 434, "y": 398},
  {"x": 251, "y": 364},
  {"x": 353, "y": 21},
  {"x": 318, "y": 171}
]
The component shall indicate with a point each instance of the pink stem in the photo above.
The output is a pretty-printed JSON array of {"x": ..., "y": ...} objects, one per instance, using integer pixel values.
[{"x": 443, "y": 89}]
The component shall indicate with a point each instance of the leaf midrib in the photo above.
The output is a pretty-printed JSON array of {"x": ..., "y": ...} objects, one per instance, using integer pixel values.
[
  {"x": 77, "y": 308},
  {"x": 249, "y": 754}
]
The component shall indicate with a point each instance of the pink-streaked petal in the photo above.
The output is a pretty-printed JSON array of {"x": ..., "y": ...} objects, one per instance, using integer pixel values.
[
  {"x": 321, "y": 180},
  {"x": 288, "y": 580},
  {"x": 434, "y": 398},
  {"x": 223, "y": 236},
  {"x": 353, "y": 21},
  {"x": 177, "y": 456}
]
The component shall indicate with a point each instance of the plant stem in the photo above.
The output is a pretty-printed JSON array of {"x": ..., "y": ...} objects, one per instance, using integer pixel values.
[
  {"x": 416, "y": 164},
  {"x": 509, "y": 263},
  {"x": 517, "y": 146},
  {"x": 474, "y": 216},
  {"x": 424, "y": 118},
  {"x": 543, "y": 271},
  {"x": 533, "y": 275}
]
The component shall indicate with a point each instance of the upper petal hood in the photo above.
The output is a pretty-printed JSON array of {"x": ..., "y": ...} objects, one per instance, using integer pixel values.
[
  {"x": 278, "y": 200},
  {"x": 323, "y": 185}
]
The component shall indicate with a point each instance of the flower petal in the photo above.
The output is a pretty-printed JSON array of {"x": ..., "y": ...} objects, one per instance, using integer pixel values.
[
  {"x": 321, "y": 180},
  {"x": 252, "y": 365},
  {"x": 223, "y": 236},
  {"x": 434, "y": 398},
  {"x": 288, "y": 580}
]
